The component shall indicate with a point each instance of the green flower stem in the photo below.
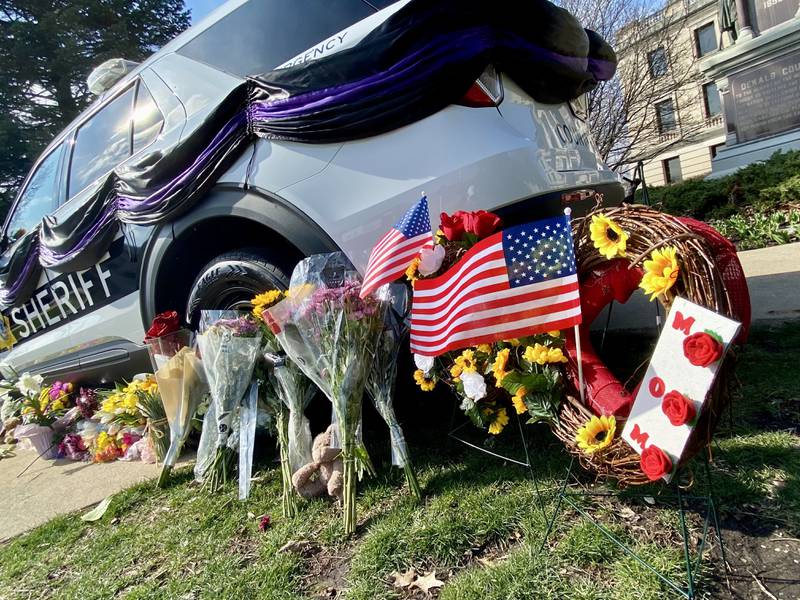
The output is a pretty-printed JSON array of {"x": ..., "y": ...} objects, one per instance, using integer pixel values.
[
  {"x": 289, "y": 496},
  {"x": 349, "y": 492},
  {"x": 413, "y": 483}
]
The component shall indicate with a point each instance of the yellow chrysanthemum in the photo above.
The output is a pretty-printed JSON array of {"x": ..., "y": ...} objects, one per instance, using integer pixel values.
[
  {"x": 467, "y": 361},
  {"x": 264, "y": 300},
  {"x": 499, "y": 366},
  {"x": 485, "y": 348},
  {"x": 607, "y": 236},
  {"x": 596, "y": 434},
  {"x": 500, "y": 421},
  {"x": 514, "y": 342},
  {"x": 542, "y": 355},
  {"x": 412, "y": 272},
  {"x": 425, "y": 382},
  {"x": 660, "y": 272},
  {"x": 519, "y": 400},
  {"x": 556, "y": 355},
  {"x": 455, "y": 372},
  {"x": 554, "y": 334}
]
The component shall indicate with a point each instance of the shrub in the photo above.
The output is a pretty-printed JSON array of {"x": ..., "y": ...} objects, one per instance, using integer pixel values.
[{"x": 775, "y": 181}]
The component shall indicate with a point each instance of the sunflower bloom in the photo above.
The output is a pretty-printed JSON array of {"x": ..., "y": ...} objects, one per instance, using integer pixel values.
[
  {"x": 455, "y": 372},
  {"x": 660, "y": 272},
  {"x": 607, "y": 236},
  {"x": 425, "y": 382},
  {"x": 263, "y": 301},
  {"x": 412, "y": 272},
  {"x": 598, "y": 433},
  {"x": 500, "y": 421},
  {"x": 467, "y": 361},
  {"x": 499, "y": 366},
  {"x": 518, "y": 400}
]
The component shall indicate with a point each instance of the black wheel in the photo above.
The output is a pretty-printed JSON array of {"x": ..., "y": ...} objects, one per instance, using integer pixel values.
[{"x": 231, "y": 280}]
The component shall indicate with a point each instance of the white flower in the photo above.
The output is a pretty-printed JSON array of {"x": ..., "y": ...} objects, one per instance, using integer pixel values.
[
  {"x": 424, "y": 363},
  {"x": 467, "y": 404},
  {"x": 474, "y": 385},
  {"x": 430, "y": 259},
  {"x": 29, "y": 385}
]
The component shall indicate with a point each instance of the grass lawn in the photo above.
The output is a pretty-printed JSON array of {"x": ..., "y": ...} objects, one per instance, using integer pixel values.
[{"x": 479, "y": 527}]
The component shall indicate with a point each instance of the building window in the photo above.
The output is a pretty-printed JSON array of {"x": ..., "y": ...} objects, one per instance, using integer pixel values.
[
  {"x": 714, "y": 150},
  {"x": 672, "y": 169},
  {"x": 705, "y": 39},
  {"x": 711, "y": 100},
  {"x": 657, "y": 62},
  {"x": 665, "y": 117}
]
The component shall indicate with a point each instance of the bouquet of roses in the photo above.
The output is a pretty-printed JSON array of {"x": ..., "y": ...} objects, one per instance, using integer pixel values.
[
  {"x": 181, "y": 383},
  {"x": 331, "y": 334},
  {"x": 229, "y": 343},
  {"x": 520, "y": 375},
  {"x": 381, "y": 381}
]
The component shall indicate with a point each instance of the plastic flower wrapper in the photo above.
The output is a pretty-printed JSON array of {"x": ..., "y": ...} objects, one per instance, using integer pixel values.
[
  {"x": 229, "y": 343},
  {"x": 381, "y": 380},
  {"x": 331, "y": 333},
  {"x": 181, "y": 385}
]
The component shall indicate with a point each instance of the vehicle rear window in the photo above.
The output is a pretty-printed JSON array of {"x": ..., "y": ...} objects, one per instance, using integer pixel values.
[
  {"x": 103, "y": 142},
  {"x": 147, "y": 119},
  {"x": 263, "y": 34}
]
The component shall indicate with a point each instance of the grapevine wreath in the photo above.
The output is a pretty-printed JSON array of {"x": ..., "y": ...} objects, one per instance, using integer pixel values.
[{"x": 617, "y": 251}]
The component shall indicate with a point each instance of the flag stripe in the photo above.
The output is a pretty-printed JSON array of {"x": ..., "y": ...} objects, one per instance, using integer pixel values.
[
  {"x": 501, "y": 313},
  {"x": 396, "y": 243},
  {"x": 398, "y": 261},
  {"x": 479, "y": 253},
  {"x": 504, "y": 299},
  {"x": 502, "y": 331}
]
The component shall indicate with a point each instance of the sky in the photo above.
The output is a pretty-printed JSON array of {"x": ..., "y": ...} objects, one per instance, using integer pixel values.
[{"x": 200, "y": 8}]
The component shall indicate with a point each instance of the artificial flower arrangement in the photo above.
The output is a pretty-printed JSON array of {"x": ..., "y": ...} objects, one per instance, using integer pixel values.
[
  {"x": 619, "y": 250},
  {"x": 43, "y": 410},
  {"x": 328, "y": 331},
  {"x": 516, "y": 376}
]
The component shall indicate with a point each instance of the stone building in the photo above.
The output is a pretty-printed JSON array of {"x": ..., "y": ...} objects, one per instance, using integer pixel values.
[{"x": 679, "y": 129}]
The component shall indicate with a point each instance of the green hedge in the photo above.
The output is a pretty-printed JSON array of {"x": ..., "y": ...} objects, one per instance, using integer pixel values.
[{"x": 774, "y": 181}]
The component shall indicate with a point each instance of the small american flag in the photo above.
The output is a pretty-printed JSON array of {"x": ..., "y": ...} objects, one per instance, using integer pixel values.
[
  {"x": 517, "y": 282},
  {"x": 394, "y": 251}
]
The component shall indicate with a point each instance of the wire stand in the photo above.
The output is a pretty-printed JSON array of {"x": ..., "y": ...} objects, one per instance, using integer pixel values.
[
  {"x": 526, "y": 464},
  {"x": 686, "y": 589}
]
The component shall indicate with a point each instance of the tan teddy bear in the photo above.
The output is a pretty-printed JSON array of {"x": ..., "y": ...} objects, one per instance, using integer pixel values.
[{"x": 324, "y": 473}]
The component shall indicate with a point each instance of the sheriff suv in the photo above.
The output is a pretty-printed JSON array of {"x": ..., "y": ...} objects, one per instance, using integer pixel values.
[{"x": 498, "y": 150}]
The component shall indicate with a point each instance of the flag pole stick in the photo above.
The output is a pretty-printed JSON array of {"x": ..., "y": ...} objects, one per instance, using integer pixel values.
[{"x": 576, "y": 330}]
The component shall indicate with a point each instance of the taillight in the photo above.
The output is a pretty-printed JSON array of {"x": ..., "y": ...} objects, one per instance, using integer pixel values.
[{"x": 485, "y": 92}]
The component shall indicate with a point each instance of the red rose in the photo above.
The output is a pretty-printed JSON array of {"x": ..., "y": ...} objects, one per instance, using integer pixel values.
[
  {"x": 452, "y": 227},
  {"x": 678, "y": 408},
  {"x": 480, "y": 222},
  {"x": 702, "y": 349},
  {"x": 163, "y": 324},
  {"x": 655, "y": 463}
]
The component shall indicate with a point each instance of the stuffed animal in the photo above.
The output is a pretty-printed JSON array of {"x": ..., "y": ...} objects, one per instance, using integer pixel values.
[{"x": 324, "y": 473}]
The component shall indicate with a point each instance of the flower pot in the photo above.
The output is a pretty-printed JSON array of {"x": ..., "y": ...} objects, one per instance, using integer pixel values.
[{"x": 40, "y": 438}]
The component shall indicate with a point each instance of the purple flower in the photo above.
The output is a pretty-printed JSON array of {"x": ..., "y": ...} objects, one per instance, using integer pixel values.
[
  {"x": 73, "y": 448},
  {"x": 87, "y": 402}
]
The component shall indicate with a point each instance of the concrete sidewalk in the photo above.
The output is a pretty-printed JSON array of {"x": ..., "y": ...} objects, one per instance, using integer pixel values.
[
  {"x": 773, "y": 278},
  {"x": 54, "y": 487}
]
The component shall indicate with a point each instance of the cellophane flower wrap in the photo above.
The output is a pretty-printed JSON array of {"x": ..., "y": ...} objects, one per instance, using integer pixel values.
[
  {"x": 382, "y": 376},
  {"x": 331, "y": 334},
  {"x": 229, "y": 343},
  {"x": 181, "y": 384}
]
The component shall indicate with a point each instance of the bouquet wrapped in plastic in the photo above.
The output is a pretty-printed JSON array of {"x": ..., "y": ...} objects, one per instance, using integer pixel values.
[
  {"x": 181, "y": 383},
  {"x": 331, "y": 334},
  {"x": 229, "y": 343},
  {"x": 381, "y": 380}
]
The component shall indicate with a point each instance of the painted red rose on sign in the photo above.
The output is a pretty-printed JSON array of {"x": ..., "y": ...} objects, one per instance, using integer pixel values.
[
  {"x": 702, "y": 349},
  {"x": 163, "y": 324},
  {"x": 678, "y": 408},
  {"x": 655, "y": 463}
]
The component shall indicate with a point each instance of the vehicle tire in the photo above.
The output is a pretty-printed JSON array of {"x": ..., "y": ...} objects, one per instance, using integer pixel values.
[{"x": 231, "y": 280}]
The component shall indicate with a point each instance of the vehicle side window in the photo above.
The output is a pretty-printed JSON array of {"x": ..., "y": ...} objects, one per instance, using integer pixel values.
[
  {"x": 39, "y": 198},
  {"x": 147, "y": 119},
  {"x": 260, "y": 35},
  {"x": 102, "y": 143}
]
